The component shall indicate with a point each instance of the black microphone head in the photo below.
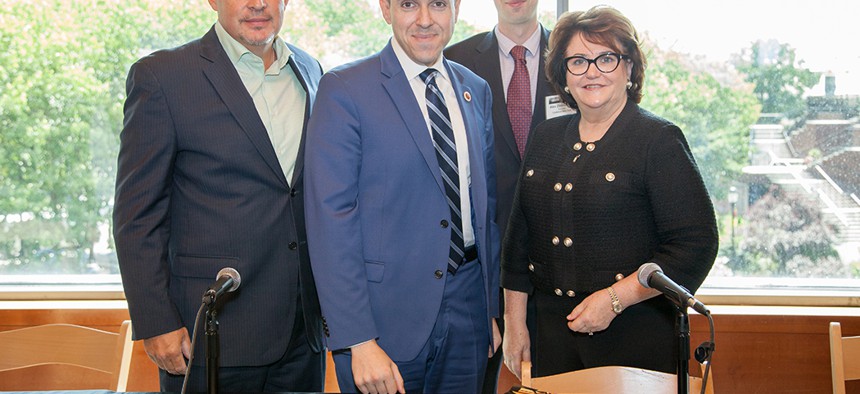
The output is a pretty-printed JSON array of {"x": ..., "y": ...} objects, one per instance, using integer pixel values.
[
  {"x": 233, "y": 274},
  {"x": 645, "y": 272}
]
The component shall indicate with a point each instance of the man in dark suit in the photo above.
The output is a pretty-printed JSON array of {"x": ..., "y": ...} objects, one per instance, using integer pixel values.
[
  {"x": 210, "y": 176},
  {"x": 517, "y": 110},
  {"x": 488, "y": 55},
  {"x": 401, "y": 212}
]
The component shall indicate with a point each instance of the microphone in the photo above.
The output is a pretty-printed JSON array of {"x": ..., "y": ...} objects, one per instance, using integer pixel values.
[
  {"x": 228, "y": 280},
  {"x": 651, "y": 276}
]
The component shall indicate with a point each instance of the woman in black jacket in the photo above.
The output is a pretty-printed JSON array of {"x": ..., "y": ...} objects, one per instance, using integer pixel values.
[{"x": 602, "y": 192}]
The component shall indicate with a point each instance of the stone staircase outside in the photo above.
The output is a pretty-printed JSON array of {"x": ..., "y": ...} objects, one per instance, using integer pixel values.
[{"x": 773, "y": 157}]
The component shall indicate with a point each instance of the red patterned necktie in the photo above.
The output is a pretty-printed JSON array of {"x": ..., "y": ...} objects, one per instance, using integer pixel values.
[{"x": 519, "y": 99}]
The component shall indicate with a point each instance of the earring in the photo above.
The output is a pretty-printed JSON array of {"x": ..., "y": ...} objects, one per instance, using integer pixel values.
[
  {"x": 629, "y": 84},
  {"x": 567, "y": 90}
]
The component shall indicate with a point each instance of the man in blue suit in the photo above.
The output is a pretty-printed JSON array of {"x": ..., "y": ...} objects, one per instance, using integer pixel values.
[
  {"x": 401, "y": 211},
  {"x": 210, "y": 175}
]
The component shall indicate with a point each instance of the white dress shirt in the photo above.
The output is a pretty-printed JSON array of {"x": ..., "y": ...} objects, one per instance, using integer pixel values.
[{"x": 443, "y": 81}]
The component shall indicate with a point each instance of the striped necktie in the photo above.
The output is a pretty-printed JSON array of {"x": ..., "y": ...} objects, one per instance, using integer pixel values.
[{"x": 446, "y": 154}]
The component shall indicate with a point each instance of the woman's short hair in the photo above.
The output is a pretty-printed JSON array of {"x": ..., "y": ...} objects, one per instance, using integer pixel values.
[{"x": 602, "y": 25}]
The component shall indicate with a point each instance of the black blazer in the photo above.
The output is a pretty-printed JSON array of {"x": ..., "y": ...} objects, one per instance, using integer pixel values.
[
  {"x": 480, "y": 53},
  {"x": 580, "y": 217},
  {"x": 199, "y": 188}
]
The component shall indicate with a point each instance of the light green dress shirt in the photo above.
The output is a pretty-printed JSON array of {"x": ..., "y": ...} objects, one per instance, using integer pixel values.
[{"x": 277, "y": 93}]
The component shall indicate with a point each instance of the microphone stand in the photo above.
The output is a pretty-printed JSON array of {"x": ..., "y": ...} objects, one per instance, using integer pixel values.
[
  {"x": 212, "y": 343},
  {"x": 683, "y": 324}
]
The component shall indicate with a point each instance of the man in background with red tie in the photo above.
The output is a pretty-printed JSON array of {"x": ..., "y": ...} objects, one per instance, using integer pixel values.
[{"x": 510, "y": 59}]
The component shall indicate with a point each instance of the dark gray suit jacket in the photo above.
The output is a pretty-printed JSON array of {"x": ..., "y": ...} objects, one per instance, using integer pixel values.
[
  {"x": 199, "y": 188},
  {"x": 480, "y": 53}
]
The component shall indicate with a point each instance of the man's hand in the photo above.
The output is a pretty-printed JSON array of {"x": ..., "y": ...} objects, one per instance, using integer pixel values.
[
  {"x": 169, "y": 351},
  {"x": 373, "y": 370}
]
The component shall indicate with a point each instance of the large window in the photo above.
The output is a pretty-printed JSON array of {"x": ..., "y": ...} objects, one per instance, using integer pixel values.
[{"x": 766, "y": 93}]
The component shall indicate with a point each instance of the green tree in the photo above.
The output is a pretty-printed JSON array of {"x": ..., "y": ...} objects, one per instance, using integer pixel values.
[
  {"x": 780, "y": 79},
  {"x": 786, "y": 235},
  {"x": 46, "y": 190},
  {"x": 547, "y": 19},
  {"x": 335, "y": 31},
  {"x": 62, "y": 77},
  {"x": 715, "y": 116},
  {"x": 63, "y": 65},
  {"x": 340, "y": 31}
]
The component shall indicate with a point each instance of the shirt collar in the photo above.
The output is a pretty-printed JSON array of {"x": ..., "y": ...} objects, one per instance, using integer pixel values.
[
  {"x": 532, "y": 44},
  {"x": 235, "y": 50},
  {"x": 412, "y": 69}
]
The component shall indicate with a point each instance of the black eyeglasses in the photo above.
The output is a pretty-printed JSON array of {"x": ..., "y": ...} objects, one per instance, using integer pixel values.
[{"x": 605, "y": 63}]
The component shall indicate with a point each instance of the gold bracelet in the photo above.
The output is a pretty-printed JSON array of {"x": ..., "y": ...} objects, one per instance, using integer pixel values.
[{"x": 616, "y": 303}]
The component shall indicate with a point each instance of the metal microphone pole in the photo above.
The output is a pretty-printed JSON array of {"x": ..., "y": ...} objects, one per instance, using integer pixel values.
[
  {"x": 683, "y": 324},
  {"x": 212, "y": 346},
  {"x": 227, "y": 280}
]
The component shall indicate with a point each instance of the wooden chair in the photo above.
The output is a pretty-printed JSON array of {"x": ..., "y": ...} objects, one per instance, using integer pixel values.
[
  {"x": 65, "y": 357},
  {"x": 617, "y": 380},
  {"x": 844, "y": 358}
]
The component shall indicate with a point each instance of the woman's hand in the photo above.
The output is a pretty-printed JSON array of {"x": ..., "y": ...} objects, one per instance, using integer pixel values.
[
  {"x": 593, "y": 314},
  {"x": 516, "y": 345}
]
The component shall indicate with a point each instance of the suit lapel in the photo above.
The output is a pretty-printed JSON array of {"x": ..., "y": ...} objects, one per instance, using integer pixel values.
[
  {"x": 302, "y": 73},
  {"x": 224, "y": 78},
  {"x": 539, "y": 112},
  {"x": 400, "y": 91},
  {"x": 487, "y": 64},
  {"x": 474, "y": 130}
]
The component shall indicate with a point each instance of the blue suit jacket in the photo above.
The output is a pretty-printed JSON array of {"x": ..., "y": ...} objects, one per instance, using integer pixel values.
[
  {"x": 199, "y": 188},
  {"x": 376, "y": 203}
]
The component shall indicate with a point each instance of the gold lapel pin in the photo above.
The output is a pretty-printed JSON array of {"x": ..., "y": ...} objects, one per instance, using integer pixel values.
[{"x": 467, "y": 96}]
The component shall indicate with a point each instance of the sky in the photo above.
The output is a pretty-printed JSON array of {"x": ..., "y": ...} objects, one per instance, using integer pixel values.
[{"x": 824, "y": 33}]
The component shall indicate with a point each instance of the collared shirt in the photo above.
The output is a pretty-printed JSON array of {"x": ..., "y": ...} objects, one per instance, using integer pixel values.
[
  {"x": 506, "y": 61},
  {"x": 278, "y": 95},
  {"x": 443, "y": 81}
]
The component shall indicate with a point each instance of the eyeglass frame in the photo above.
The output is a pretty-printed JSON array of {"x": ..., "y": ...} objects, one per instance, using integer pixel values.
[{"x": 618, "y": 57}]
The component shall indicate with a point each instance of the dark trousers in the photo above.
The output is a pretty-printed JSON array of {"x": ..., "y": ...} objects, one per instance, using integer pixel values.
[
  {"x": 494, "y": 364},
  {"x": 643, "y": 336},
  {"x": 299, "y": 370},
  {"x": 455, "y": 355}
]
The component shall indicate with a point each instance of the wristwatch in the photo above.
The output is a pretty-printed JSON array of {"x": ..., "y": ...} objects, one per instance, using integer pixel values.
[{"x": 616, "y": 303}]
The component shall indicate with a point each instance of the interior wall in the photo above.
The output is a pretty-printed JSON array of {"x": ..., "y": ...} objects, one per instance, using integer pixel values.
[{"x": 758, "y": 349}]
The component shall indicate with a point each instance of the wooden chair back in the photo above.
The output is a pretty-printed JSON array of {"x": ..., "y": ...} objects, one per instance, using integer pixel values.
[
  {"x": 65, "y": 357},
  {"x": 844, "y": 358}
]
